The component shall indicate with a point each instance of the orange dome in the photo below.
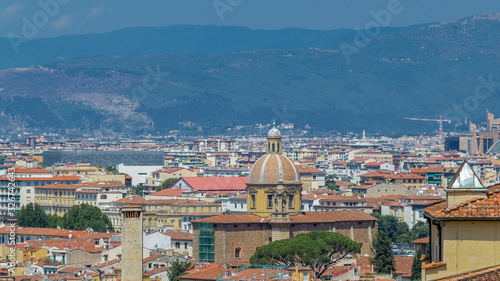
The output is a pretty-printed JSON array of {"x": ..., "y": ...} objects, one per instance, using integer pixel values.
[{"x": 273, "y": 167}]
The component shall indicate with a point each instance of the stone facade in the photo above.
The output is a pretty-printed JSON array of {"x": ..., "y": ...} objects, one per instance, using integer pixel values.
[{"x": 250, "y": 236}]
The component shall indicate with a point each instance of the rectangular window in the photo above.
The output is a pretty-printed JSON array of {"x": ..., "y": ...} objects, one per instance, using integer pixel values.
[
  {"x": 269, "y": 201},
  {"x": 290, "y": 202}
]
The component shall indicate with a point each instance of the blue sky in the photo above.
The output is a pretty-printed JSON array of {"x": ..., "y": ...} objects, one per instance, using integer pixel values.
[{"x": 97, "y": 16}]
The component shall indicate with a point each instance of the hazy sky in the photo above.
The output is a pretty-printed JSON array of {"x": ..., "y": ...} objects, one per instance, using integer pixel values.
[{"x": 61, "y": 17}]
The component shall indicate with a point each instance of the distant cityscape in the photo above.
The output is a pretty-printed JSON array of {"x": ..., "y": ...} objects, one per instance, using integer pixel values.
[{"x": 186, "y": 189}]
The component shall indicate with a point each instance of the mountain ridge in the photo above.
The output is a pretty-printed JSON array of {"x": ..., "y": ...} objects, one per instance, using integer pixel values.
[
  {"x": 170, "y": 39},
  {"x": 422, "y": 72}
]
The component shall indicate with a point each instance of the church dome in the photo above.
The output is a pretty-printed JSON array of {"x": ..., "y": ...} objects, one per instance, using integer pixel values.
[{"x": 273, "y": 167}]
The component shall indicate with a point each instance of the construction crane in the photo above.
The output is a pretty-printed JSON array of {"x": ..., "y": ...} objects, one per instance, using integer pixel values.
[{"x": 440, "y": 122}]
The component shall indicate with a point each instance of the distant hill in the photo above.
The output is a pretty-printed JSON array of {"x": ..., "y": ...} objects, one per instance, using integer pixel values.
[
  {"x": 420, "y": 72},
  {"x": 171, "y": 39}
]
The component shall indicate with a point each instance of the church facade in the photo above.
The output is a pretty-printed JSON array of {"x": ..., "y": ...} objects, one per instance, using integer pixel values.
[{"x": 274, "y": 213}]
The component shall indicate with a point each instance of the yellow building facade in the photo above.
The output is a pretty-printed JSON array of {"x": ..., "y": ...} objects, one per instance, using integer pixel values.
[
  {"x": 56, "y": 198},
  {"x": 464, "y": 230}
]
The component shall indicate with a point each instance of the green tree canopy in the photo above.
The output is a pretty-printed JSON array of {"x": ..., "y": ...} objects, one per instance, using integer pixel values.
[
  {"x": 111, "y": 169},
  {"x": 177, "y": 269},
  {"x": 55, "y": 221},
  {"x": 166, "y": 184},
  {"x": 383, "y": 261},
  {"x": 317, "y": 250},
  {"x": 394, "y": 228},
  {"x": 136, "y": 190},
  {"x": 420, "y": 230},
  {"x": 32, "y": 215},
  {"x": 83, "y": 216},
  {"x": 331, "y": 182}
]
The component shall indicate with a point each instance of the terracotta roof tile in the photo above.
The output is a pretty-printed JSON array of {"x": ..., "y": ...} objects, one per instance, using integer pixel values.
[
  {"x": 54, "y": 178},
  {"x": 169, "y": 192},
  {"x": 305, "y": 217},
  {"x": 154, "y": 271},
  {"x": 403, "y": 265},
  {"x": 424, "y": 240},
  {"x": 480, "y": 207},
  {"x": 232, "y": 218},
  {"x": 217, "y": 183},
  {"x": 484, "y": 274},
  {"x": 331, "y": 216},
  {"x": 210, "y": 273}
]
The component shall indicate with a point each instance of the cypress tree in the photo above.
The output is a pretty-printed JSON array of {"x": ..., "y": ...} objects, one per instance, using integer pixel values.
[
  {"x": 383, "y": 261},
  {"x": 416, "y": 268}
]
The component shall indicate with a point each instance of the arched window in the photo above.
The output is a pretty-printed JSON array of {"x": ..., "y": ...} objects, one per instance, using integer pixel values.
[
  {"x": 237, "y": 253},
  {"x": 252, "y": 201}
]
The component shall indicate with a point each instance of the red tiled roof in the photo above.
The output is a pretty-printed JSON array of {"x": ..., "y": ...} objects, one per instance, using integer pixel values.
[
  {"x": 362, "y": 186},
  {"x": 424, "y": 240},
  {"x": 373, "y": 174},
  {"x": 342, "y": 198},
  {"x": 179, "y": 235},
  {"x": 232, "y": 218},
  {"x": 168, "y": 192},
  {"x": 43, "y": 231},
  {"x": 331, "y": 216},
  {"x": 150, "y": 258},
  {"x": 216, "y": 183},
  {"x": 477, "y": 208},
  {"x": 54, "y": 178},
  {"x": 312, "y": 197},
  {"x": 59, "y": 186},
  {"x": 210, "y": 273},
  {"x": 31, "y": 171},
  {"x": 404, "y": 176},
  {"x": 306, "y": 217},
  {"x": 168, "y": 171},
  {"x": 344, "y": 183},
  {"x": 403, "y": 265},
  {"x": 427, "y": 170},
  {"x": 154, "y": 271},
  {"x": 70, "y": 269},
  {"x": 484, "y": 274},
  {"x": 307, "y": 169},
  {"x": 107, "y": 263}
]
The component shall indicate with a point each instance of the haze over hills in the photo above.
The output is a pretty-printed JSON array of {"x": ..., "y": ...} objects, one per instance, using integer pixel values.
[
  {"x": 170, "y": 39},
  {"x": 419, "y": 72}
]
